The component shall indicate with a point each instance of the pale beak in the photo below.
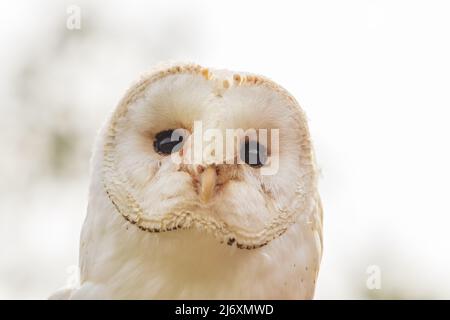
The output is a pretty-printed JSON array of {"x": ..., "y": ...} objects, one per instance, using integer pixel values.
[{"x": 207, "y": 183}]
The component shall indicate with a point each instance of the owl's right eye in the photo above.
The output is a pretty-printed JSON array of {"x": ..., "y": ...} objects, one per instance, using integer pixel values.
[{"x": 168, "y": 141}]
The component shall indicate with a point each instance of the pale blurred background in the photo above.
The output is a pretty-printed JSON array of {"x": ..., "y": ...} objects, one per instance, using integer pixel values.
[{"x": 372, "y": 76}]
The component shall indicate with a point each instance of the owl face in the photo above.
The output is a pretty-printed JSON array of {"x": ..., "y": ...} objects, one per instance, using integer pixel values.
[{"x": 246, "y": 197}]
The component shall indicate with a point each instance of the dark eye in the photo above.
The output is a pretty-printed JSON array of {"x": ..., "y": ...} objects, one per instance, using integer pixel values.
[
  {"x": 253, "y": 153},
  {"x": 168, "y": 141}
]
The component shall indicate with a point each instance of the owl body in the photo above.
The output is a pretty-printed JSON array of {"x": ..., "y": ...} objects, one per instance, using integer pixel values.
[{"x": 161, "y": 229}]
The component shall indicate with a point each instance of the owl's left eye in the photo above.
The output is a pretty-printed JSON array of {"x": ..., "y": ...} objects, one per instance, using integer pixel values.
[
  {"x": 168, "y": 141},
  {"x": 253, "y": 153}
]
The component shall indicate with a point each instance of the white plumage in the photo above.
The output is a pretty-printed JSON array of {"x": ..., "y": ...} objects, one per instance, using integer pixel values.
[{"x": 156, "y": 229}]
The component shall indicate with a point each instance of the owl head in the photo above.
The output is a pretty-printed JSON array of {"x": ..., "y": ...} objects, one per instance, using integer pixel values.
[{"x": 226, "y": 153}]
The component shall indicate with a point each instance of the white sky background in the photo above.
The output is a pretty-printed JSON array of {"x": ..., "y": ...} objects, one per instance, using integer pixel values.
[{"x": 372, "y": 76}]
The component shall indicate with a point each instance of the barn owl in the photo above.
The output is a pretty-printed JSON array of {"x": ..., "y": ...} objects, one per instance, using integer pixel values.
[{"x": 161, "y": 228}]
